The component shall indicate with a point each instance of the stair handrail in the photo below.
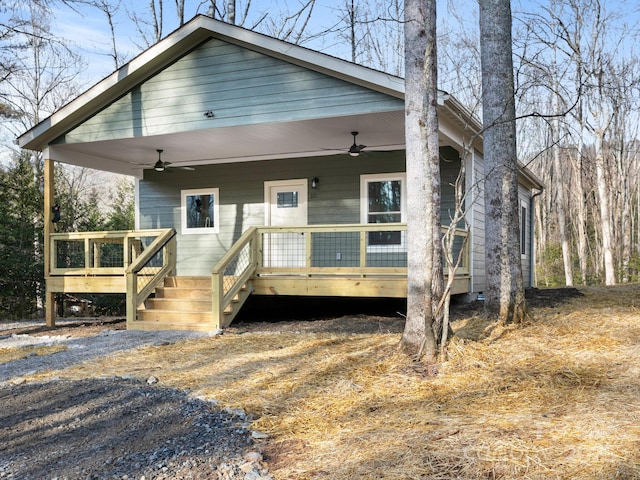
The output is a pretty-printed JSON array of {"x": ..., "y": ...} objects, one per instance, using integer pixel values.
[
  {"x": 221, "y": 296},
  {"x": 134, "y": 297}
]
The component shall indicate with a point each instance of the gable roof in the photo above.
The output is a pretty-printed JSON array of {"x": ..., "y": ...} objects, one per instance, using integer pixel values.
[
  {"x": 323, "y": 136},
  {"x": 177, "y": 44}
]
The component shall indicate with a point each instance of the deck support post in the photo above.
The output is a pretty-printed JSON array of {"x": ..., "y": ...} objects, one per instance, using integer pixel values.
[
  {"x": 132, "y": 298},
  {"x": 49, "y": 196},
  {"x": 217, "y": 295}
]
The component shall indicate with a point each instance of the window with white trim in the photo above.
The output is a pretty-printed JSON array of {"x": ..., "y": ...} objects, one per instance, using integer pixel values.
[
  {"x": 382, "y": 198},
  {"x": 200, "y": 211}
]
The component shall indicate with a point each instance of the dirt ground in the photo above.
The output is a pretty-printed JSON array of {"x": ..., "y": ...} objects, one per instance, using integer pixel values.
[
  {"x": 51, "y": 429},
  {"x": 310, "y": 315}
]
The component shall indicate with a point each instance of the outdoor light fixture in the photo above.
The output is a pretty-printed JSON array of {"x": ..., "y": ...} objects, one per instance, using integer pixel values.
[
  {"x": 209, "y": 114},
  {"x": 159, "y": 166},
  {"x": 56, "y": 213},
  {"x": 314, "y": 182},
  {"x": 355, "y": 149}
]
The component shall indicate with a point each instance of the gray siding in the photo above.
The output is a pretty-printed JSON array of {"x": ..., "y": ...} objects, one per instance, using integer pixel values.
[
  {"x": 524, "y": 196},
  {"x": 475, "y": 207},
  {"x": 449, "y": 170},
  {"x": 242, "y": 86},
  {"x": 241, "y": 192}
]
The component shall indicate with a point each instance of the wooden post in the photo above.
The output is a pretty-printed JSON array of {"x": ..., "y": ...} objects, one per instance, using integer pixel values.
[
  {"x": 49, "y": 196},
  {"x": 307, "y": 249},
  {"x": 363, "y": 249},
  {"x": 217, "y": 300},
  {"x": 171, "y": 251},
  {"x": 132, "y": 298}
]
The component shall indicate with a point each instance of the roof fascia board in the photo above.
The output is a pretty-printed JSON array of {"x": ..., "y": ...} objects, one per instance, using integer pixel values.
[{"x": 530, "y": 177}]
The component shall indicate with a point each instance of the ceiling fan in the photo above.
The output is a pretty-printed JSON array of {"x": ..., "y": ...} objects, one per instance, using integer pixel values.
[
  {"x": 161, "y": 166},
  {"x": 355, "y": 149}
]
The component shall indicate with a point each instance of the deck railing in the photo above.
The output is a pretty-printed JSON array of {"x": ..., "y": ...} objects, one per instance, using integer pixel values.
[
  {"x": 98, "y": 253},
  {"x": 146, "y": 257},
  {"x": 313, "y": 251},
  {"x": 91, "y": 261},
  {"x": 233, "y": 272},
  {"x": 361, "y": 249},
  {"x": 149, "y": 270}
]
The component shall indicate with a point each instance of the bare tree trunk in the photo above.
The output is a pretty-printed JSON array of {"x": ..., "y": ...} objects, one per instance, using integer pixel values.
[
  {"x": 180, "y": 11},
  {"x": 561, "y": 206},
  {"x": 351, "y": 10},
  {"x": 231, "y": 11},
  {"x": 423, "y": 180},
  {"x": 580, "y": 217},
  {"x": 605, "y": 214},
  {"x": 157, "y": 17},
  {"x": 505, "y": 287}
]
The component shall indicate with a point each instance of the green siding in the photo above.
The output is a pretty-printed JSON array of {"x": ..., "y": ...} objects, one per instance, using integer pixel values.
[
  {"x": 241, "y": 197},
  {"x": 242, "y": 87}
]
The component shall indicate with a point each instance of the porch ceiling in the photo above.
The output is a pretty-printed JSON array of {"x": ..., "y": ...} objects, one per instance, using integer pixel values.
[{"x": 329, "y": 136}]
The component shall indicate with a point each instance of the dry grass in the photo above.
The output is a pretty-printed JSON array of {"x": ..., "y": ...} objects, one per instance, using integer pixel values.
[
  {"x": 557, "y": 398},
  {"x": 11, "y": 354}
]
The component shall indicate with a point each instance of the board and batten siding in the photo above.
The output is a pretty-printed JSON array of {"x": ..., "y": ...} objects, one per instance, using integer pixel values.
[
  {"x": 244, "y": 87},
  {"x": 241, "y": 198}
]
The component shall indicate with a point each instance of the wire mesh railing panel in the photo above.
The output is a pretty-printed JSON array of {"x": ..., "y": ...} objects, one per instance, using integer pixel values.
[
  {"x": 155, "y": 261},
  {"x": 234, "y": 269},
  {"x": 335, "y": 249},
  {"x": 70, "y": 254},
  {"x": 107, "y": 253},
  {"x": 284, "y": 250},
  {"x": 149, "y": 270},
  {"x": 387, "y": 249}
]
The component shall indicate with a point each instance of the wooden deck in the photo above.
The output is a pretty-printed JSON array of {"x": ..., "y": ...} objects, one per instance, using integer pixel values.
[{"x": 322, "y": 260}]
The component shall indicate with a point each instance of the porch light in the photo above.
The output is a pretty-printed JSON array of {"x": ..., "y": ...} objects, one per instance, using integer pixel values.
[{"x": 314, "y": 182}]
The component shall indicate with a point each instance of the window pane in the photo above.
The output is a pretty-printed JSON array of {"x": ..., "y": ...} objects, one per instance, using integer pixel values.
[
  {"x": 384, "y": 196},
  {"x": 523, "y": 230},
  {"x": 287, "y": 199},
  {"x": 200, "y": 211},
  {"x": 384, "y": 218},
  {"x": 385, "y": 238}
]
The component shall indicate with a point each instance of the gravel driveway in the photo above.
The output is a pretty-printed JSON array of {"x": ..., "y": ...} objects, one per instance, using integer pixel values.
[{"x": 104, "y": 428}]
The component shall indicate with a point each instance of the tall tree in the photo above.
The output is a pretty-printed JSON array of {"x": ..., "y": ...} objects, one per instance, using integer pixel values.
[
  {"x": 505, "y": 289},
  {"x": 424, "y": 249},
  {"x": 110, "y": 9},
  {"x": 21, "y": 273},
  {"x": 122, "y": 212}
]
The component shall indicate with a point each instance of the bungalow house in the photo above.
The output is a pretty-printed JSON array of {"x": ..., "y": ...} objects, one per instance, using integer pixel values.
[{"x": 261, "y": 168}]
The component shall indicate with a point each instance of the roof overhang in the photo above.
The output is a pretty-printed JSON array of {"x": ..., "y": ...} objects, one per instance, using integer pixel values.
[{"x": 176, "y": 44}]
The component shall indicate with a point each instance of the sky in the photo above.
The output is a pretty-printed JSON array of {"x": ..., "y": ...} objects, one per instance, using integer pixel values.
[{"x": 88, "y": 30}]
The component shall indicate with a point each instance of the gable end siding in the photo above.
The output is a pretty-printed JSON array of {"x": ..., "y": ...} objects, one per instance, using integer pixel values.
[{"x": 241, "y": 86}]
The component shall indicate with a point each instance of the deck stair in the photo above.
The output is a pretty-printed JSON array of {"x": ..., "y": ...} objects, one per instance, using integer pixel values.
[{"x": 185, "y": 303}]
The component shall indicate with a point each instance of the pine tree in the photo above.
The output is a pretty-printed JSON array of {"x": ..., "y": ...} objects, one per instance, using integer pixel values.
[{"x": 21, "y": 269}]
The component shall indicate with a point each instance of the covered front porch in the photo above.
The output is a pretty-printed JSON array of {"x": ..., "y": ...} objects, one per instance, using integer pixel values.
[{"x": 355, "y": 260}]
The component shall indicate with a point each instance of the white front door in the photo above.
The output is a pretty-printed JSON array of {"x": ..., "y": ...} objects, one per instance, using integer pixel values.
[{"x": 285, "y": 205}]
